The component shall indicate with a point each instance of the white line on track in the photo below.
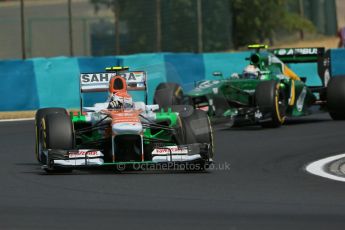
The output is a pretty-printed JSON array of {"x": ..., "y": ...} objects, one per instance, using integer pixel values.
[
  {"x": 20, "y": 119},
  {"x": 318, "y": 167}
]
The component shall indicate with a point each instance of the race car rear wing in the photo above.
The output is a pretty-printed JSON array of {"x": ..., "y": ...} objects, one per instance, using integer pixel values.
[
  {"x": 99, "y": 82},
  {"x": 299, "y": 55},
  {"x": 317, "y": 55}
]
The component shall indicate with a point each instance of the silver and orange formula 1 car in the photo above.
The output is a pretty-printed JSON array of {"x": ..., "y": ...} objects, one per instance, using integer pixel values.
[{"x": 129, "y": 134}]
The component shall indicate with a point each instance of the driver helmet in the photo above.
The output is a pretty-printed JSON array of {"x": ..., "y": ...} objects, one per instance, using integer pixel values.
[
  {"x": 251, "y": 72},
  {"x": 118, "y": 95}
]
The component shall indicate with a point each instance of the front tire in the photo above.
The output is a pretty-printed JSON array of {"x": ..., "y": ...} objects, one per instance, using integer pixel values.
[
  {"x": 270, "y": 99},
  {"x": 198, "y": 129},
  {"x": 41, "y": 113},
  {"x": 56, "y": 132}
]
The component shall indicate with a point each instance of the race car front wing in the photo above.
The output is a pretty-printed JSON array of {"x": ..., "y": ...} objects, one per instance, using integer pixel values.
[{"x": 93, "y": 158}]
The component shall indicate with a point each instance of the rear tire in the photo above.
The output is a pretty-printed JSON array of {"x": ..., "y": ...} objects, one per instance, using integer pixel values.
[
  {"x": 336, "y": 98},
  {"x": 271, "y": 100},
  {"x": 168, "y": 94},
  {"x": 41, "y": 113}
]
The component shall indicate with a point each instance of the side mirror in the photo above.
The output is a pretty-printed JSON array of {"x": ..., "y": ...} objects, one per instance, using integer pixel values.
[{"x": 217, "y": 74}]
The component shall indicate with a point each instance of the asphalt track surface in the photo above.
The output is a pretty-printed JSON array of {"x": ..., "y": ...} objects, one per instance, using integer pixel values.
[{"x": 265, "y": 188}]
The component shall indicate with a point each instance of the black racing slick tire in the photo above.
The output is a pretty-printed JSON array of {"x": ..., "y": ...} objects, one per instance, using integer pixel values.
[
  {"x": 41, "y": 113},
  {"x": 336, "y": 98},
  {"x": 198, "y": 129},
  {"x": 168, "y": 94},
  {"x": 270, "y": 99},
  {"x": 56, "y": 132}
]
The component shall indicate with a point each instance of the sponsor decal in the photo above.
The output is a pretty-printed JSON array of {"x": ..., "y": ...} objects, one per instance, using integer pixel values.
[
  {"x": 133, "y": 76},
  {"x": 170, "y": 149},
  {"x": 94, "y": 78},
  {"x": 84, "y": 152},
  {"x": 311, "y": 51},
  {"x": 296, "y": 51},
  {"x": 281, "y": 52}
]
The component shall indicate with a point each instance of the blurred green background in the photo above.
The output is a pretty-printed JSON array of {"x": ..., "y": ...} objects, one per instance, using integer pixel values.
[{"x": 115, "y": 27}]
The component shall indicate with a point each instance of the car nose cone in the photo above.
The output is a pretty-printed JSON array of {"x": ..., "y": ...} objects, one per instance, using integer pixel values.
[{"x": 127, "y": 128}]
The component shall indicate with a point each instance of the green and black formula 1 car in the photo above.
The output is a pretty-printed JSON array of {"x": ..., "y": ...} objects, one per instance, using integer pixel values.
[
  {"x": 266, "y": 96},
  {"x": 130, "y": 134}
]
